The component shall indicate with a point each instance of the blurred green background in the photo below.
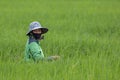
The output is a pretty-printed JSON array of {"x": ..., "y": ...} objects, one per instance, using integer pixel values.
[{"x": 85, "y": 33}]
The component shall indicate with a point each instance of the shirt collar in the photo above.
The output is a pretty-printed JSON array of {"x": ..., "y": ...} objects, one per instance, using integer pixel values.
[{"x": 31, "y": 39}]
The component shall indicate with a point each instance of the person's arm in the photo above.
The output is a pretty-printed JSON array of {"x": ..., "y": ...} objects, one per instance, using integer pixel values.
[
  {"x": 36, "y": 51},
  {"x": 27, "y": 55}
]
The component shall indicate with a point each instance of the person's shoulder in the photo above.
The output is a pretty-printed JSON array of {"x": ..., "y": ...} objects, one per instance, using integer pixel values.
[{"x": 33, "y": 43}]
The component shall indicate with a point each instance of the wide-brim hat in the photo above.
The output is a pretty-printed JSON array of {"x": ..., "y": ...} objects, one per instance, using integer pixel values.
[{"x": 36, "y": 25}]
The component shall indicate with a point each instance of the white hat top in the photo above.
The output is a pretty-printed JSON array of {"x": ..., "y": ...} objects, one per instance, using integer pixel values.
[{"x": 36, "y": 25}]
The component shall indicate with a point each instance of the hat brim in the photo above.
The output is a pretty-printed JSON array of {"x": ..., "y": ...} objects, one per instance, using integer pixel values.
[{"x": 44, "y": 30}]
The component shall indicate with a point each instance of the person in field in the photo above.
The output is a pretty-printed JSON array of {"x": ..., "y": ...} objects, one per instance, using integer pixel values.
[{"x": 33, "y": 49}]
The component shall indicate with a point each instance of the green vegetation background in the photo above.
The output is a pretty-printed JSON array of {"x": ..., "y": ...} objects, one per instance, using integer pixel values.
[{"x": 85, "y": 33}]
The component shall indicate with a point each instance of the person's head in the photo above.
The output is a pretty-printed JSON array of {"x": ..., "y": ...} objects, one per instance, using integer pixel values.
[{"x": 36, "y": 30}]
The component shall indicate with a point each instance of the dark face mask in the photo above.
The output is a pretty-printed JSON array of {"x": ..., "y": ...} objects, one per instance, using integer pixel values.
[{"x": 36, "y": 36}]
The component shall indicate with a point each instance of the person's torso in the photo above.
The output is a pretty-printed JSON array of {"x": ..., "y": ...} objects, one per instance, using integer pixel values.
[{"x": 36, "y": 44}]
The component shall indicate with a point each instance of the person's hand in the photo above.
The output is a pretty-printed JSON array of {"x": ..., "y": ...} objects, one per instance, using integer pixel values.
[{"x": 55, "y": 57}]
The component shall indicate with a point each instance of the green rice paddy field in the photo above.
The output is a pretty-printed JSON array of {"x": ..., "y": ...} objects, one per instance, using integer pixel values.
[{"x": 85, "y": 33}]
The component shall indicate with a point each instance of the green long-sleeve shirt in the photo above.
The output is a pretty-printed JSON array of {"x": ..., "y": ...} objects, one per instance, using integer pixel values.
[{"x": 33, "y": 50}]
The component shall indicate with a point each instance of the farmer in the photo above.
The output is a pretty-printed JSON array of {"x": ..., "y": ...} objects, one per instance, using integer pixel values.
[{"x": 33, "y": 49}]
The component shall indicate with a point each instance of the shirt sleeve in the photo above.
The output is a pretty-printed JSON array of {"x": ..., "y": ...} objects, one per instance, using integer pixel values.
[
  {"x": 35, "y": 51},
  {"x": 27, "y": 56}
]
